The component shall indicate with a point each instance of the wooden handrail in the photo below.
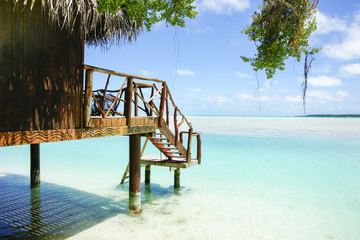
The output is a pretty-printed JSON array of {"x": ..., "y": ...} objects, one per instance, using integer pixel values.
[
  {"x": 174, "y": 105},
  {"x": 103, "y": 70}
]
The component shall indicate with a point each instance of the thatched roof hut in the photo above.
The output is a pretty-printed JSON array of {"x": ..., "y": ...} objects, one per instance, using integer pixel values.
[
  {"x": 101, "y": 29},
  {"x": 42, "y": 57}
]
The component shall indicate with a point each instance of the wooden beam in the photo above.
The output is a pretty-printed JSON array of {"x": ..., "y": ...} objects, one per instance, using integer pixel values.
[
  {"x": 134, "y": 177},
  {"x": 45, "y": 136},
  {"x": 34, "y": 165},
  {"x": 88, "y": 96}
]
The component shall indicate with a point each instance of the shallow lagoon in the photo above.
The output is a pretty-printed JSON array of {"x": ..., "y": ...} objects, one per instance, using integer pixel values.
[{"x": 261, "y": 178}]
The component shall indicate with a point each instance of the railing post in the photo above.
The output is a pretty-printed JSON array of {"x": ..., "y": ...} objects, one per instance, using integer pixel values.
[
  {"x": 128, "y": 101},
  {"x": 136, "y": 102},
  {"x": 198, "y": 148},
  {"x": 188, "y": 157},
  {"x": 162, "y": 103},
  {"x": 151, "y": 102},
  {"x": 176, "y": 127},
  {"x": 88, "y": 96},
  {"x": 167, "y": 109}
]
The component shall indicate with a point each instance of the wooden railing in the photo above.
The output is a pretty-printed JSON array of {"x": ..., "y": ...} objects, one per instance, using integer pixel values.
[{"x": 108, "y": 104}]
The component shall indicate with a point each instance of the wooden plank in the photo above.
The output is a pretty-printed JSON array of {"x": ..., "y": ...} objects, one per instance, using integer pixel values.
[
  {"x": 5, "y": 63},
  {"x": 50, "y": 86},
  {"x": 17, "y": 61},
  {"x": 28, "y": 70},
  {"x": 39, "y": 65}
]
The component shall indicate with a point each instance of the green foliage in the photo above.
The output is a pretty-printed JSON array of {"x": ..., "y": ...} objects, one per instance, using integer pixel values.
[
  {"x": 148, "y": 12},
  {"x": 280, "y": 30}
]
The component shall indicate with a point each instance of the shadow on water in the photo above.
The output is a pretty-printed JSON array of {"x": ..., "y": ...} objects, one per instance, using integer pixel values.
[{"x": 50, "y": 211}]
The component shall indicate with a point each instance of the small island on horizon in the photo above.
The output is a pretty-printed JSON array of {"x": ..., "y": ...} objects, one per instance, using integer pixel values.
[{"x": 333, "y": 115}]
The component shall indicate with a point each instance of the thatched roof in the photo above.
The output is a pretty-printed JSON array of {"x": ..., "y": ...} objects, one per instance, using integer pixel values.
[{"x": 100, "y": 29}]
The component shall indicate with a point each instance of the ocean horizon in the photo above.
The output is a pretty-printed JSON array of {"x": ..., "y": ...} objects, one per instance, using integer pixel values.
[{"x": 260, "y": 178}]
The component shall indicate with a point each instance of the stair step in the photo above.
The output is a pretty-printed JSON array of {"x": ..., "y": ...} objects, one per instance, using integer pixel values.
[
  {"x": 167, "y": 148},
  {"x": 171, "y": 151},
  {"x": 163, "y": 143},
  {"x": 156, "y": 138}
]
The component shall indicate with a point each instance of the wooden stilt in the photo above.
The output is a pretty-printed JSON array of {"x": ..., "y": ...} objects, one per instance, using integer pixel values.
[
  {"x": 147, "y": 174},
  {"x": 177, "y": 178},
  {"x": 135, "y": 181},
  {"x": 34, "y": 165}
]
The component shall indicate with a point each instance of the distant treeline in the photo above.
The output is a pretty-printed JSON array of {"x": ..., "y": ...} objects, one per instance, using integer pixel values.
[{"x": 333, "y": 115}]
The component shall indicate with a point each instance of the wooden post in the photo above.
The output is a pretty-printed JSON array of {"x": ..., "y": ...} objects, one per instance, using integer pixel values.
[
  {"x": 188, "y": 157},
  {"x": 136, "y": 110},
  {"x": 135, "y": 181},
  {"x": 147, "y": 174},
  {"x": 128, "y": 101},
  {"x": 198, "y": 148},
  {"x": 88, "y": 96},
  {"x": 167, "y": 109},
  {"x": 162, "y": 103},
  {"x": 176, "y": 127},
  {"x": 151, "y": 102},
  {"x": 34, "y": 165},
  {"x": 177, "y": 178}
]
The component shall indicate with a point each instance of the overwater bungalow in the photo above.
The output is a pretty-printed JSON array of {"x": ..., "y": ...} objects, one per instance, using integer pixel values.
[{"x": 47, "y": 91}]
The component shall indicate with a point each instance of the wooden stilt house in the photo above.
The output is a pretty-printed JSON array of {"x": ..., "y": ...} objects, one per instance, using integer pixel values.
[{"x": 47, "y": 94}]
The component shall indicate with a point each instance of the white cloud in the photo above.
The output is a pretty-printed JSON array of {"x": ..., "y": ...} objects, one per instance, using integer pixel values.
[
  {"x": 222, "y": 6},
  {"x": 342, "y": 94},
  {"x": 350, "y": 69},
  {"x": 326, "y": 24},
  {"x": 323, "y": 96},
  {"x": 293, "y": 99},
  {"x": 348, "y": 47},
  {"x": 242, "y": 75},
  {"x": 146, "y": 73},
  {"x": 195, "y": 90},
  {"x": 220, "y": 99},
  {"x": 185, "y": 72},
  {"x": 324, "y": 81},
  {"x": 244, "y": 96}
]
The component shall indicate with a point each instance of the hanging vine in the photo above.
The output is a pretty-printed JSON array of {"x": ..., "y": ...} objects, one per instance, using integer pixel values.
[{"x": 280, "y": 30}]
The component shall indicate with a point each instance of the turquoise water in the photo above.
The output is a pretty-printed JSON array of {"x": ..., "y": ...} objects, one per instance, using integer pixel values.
[{"x": 261, "y": 178}]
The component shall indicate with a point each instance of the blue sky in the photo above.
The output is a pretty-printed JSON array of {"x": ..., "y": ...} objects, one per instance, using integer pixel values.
[{"x": 206, "y": 76}]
